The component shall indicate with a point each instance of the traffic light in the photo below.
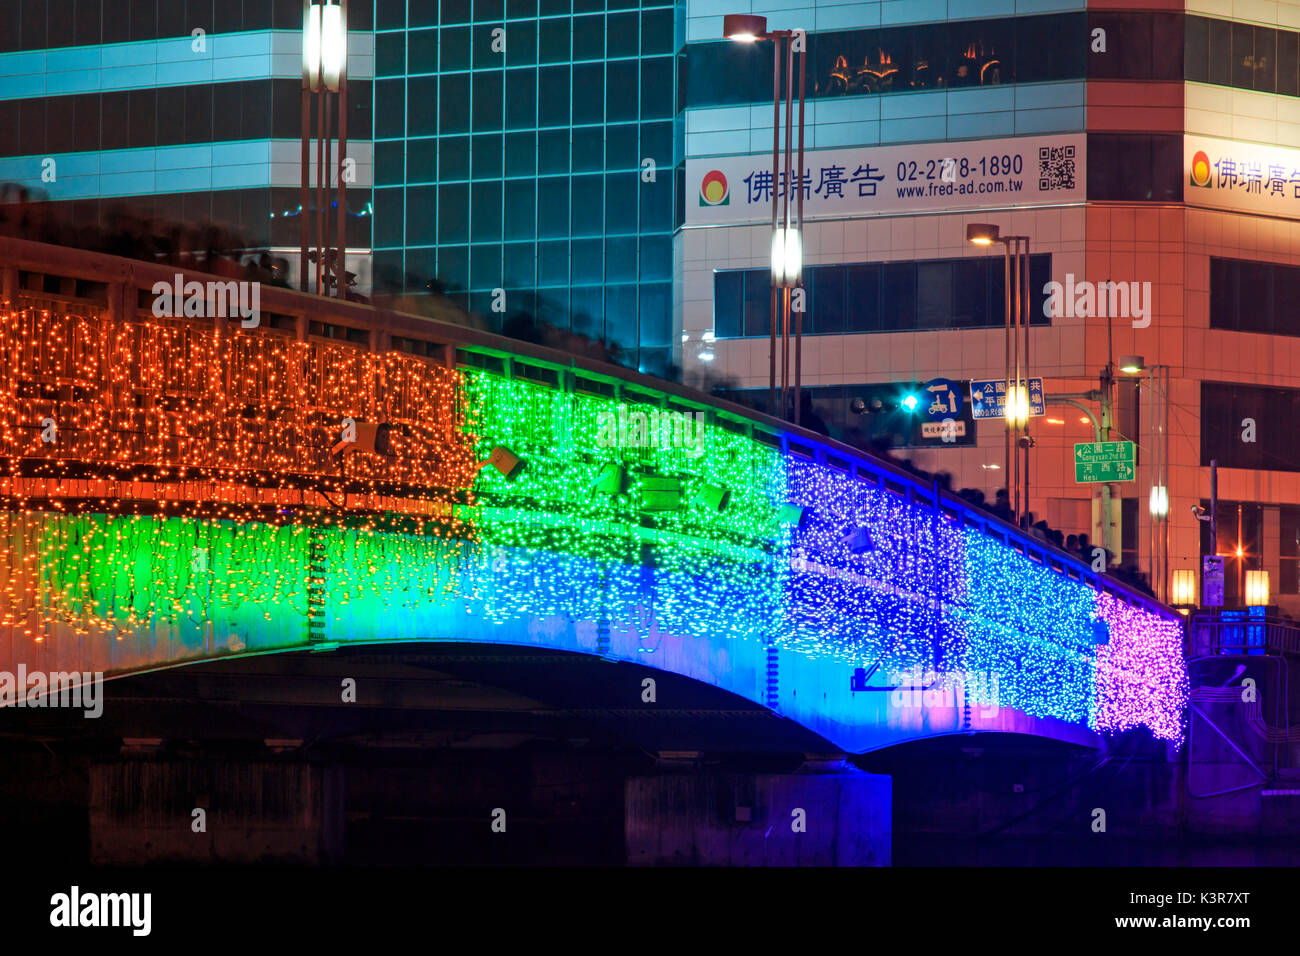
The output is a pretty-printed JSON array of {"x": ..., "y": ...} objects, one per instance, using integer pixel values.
[{"x": 909, "y": 401}]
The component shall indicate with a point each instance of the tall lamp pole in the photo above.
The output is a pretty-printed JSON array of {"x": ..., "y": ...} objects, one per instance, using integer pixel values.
[
  {"x": 787, "y": 226},
  {"x": 324, "y": 71},
  {"x": 1016, "y": 272}
]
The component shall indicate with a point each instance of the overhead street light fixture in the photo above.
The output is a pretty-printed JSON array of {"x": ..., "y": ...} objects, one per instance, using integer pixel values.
[
  {"x": 1132, "y": 364},
  {"x": 744, "y": 27},
  {"x": 787, "y": 227},
  {"x": 981, "y": 233},
  {"x": 1016, "y": 294}
]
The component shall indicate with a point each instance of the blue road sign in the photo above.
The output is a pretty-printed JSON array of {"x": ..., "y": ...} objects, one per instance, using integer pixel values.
[
  {"x": 942, "y": 399},
  {"x": 989, "y": 399}
]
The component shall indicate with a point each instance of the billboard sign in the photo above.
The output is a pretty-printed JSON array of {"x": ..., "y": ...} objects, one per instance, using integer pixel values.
[
  {"x": 866, "y": 180},
  {"x": 1244, "y": 177}
]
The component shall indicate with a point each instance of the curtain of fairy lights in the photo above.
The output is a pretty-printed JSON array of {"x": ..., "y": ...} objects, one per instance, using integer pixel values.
[{"x": 427, "y": 543}]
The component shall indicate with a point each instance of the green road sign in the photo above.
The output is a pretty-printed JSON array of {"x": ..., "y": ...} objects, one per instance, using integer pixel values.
[{"x": 1104, "y": 461}]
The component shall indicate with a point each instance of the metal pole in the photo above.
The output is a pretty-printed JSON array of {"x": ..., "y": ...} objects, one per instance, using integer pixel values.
[
  {"x": 785, "y": 215},
  {"x": 798, "y": 319},
  {"x": 341, "y": 231},
  {"x": 1006, "y": 295},
  {"x": 1164, "y": 481},
  {"x": 1214, "y": 507},
  {"x": 1152, "y": 470},
  {"x": 776, "y": 135},
  {"x": 320, "y": 189},
  {"x": 327, "y": 180},
  {"x": 1028, "y": 369},
  {"x": 304, "y": 191},
  {"x": 1015, "y": 347}
]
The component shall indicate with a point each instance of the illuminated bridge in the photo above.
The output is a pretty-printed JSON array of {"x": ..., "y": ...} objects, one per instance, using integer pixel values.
[{"x": 182, "y": 489}]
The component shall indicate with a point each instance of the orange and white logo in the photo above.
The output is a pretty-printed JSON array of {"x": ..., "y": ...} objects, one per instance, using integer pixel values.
[
  {"x": 714, "y": 190},
  {"x": 1201, "y": 169}
]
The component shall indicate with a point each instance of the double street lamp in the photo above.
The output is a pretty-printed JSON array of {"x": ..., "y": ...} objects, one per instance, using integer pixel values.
[
  {"x": 787, "y": 227},
  {"x": 1016, "y": 271}
]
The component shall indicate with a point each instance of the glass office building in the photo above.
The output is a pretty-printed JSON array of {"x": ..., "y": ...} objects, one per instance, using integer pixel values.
[
  {"x": 524, "y": 161},
  {"x": 523, "y": 150},
  {"x": 176, "y": 111}
]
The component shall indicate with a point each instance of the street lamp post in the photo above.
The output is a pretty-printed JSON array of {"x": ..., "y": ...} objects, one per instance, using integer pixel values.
[
  {"x": 787, "y": 228},
  {"x": 1016, "y": 272},
  {"x": 324, "y": 71},
  {"x": 1158, "y": 538}
]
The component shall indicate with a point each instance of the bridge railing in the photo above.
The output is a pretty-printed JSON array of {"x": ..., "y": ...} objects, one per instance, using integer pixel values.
[{"x": 34, "y": 273}]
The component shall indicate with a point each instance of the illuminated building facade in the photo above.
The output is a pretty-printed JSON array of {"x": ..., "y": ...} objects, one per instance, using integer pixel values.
[{"x": 1157, "y": 150}]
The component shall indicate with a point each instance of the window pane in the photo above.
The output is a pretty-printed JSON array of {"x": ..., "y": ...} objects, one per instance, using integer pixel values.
[
  {"x": 1196, "y": 51},
  {"x": 553, "y": 151},
  {"x": 453, "y": 103},
  {"x": 826, "y": 306},
  {"x": 421, "y": 221},
  {"x": 553, "y": 207},
  {"x": 553, "y": 267},
  {"x": 453, "y": 49},
  {"x": 521, "y": 98},
  {"x": 1265, "y": 62},
  {"x": 970, "y": 292},
  {"x": 487, "y": 100},
  {"x": 553, "y": 41},
  {"x": 520, "y": 209},
  {"x": 453, "y": 213},
  {"x": 588, "y": 93},
  {"x": 862, "y": 298},
  {"x": 1220, "y": 52},
  {"x": 758, "y": 302},
  {"x": 553, "y": 96},
  {"x": 588, "y": 213},
  {"x": 933, "y": 295},
  {"x": 1287, "y": 61},
  {"x": 1243, "y": 52},
  {"x": 728, "y": 303},
  {"x": 521, "y": 154},
  {"x": 898, "y": 296},
  {"x": 453, "y": 158},
  {"x": 589, "y": 37}
]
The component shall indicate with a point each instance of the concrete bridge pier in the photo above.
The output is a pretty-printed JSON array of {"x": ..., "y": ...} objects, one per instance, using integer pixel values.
[
  {"x": 828, "y": 813},
  {"x": 145, "y": 809}
]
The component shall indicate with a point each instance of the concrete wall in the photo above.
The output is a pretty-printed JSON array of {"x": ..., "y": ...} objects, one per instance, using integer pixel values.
[{"x": 826, "y": 819}]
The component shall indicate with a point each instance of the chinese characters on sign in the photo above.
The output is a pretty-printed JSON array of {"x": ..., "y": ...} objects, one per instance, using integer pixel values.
[
  {"x": 1104, "y": 461},
  {"x": 989, "y": 399},
  {"x": 1244, "y": 176}
]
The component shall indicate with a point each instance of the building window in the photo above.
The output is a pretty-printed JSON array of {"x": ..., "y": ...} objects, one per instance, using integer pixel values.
[
  {"x": 881, "y": 297},
  {"x": 1272, "y": 414},
  {"x": 1245, "y": 296},
  {"x": 1241, "y": 544},
  {"x": 1135, "y": 167},
  {"x": 929, "y": 56},
  {"x": 1289, "y": 550}
]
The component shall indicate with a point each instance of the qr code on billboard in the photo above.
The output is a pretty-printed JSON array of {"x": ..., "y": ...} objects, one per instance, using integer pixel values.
[{"x": 1055, "y": 167}]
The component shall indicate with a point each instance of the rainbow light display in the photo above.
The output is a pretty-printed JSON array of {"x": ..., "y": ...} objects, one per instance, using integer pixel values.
[{"x": 544, "y": 559}]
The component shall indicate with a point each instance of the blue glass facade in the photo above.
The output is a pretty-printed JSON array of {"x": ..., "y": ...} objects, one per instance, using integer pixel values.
[{"x": 512, "y": 143}]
